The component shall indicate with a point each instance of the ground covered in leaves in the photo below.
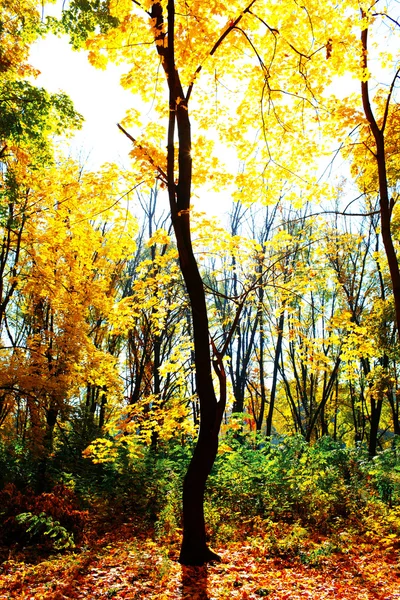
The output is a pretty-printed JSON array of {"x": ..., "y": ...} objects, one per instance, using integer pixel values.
[{"x": 127, "y": 562}]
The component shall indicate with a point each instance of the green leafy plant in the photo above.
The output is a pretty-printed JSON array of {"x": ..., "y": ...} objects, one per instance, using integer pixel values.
[
  {"x": 61, "y": 505},
  {"x": 43, "y": 525}
]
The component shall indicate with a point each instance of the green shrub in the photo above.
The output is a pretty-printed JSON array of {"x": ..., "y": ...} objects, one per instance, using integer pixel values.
[
  {"x": 384, "y": 474},
  {"x": 61, "y": 505},
  {"x": 321, "y": 485},
  {"x": 43, "y": 525}
]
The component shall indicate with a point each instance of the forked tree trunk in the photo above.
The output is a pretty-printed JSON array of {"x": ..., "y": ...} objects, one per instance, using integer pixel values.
[
  {"x": 278, "y": 352},
  {"x": 194, "y": 549},
  {"x": 386, "y": 206}
]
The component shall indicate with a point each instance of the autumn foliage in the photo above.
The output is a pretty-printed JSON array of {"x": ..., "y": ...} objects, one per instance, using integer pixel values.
[{"x": 165, "y": 373}]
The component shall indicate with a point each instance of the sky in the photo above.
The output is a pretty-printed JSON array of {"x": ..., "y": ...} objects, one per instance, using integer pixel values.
[
  {"x": 96, "y": 94},
  {"x": 99, "y": 97}
]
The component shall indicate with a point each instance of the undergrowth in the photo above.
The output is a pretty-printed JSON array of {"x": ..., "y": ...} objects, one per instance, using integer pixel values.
[{"x": 282, "y": 493}]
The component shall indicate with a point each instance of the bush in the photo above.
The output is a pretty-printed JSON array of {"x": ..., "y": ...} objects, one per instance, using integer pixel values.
[
  {"x": 60, "y": 506},
  {"x": 38, "y": 526},
  {"x": 325, "y": 486},
  {"x": 384, "y": 474},
  {"x": 16, "y": 465},
  {"x": 320, "y": 485}
]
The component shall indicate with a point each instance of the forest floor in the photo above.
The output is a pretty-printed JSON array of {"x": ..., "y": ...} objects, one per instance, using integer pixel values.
[{"x": 126, "y": 562}]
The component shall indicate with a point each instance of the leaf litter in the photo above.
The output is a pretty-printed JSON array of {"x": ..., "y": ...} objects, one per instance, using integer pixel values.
[{"x": 123, "y": 564}]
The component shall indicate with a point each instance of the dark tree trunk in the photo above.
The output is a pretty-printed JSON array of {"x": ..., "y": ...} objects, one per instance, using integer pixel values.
[
  {"x": 393, "y": 399},
  {"x": 335, "y": 423},
  {"x": 194, "y": 549},
  {"x": 386, "y": 206},
  {"x": 103, "y": 404},
  {"x": 376, "y": 409},
  {"x": 326, "y": 394},
  {"x": 43, "y": 479},
  {"x": 278, "y": 351}
]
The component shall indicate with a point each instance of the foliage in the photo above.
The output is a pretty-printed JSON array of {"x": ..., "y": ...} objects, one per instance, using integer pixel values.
[
  {"x": 63, "y": 520},
  {"x": 97, "y": 386},
  {"x": 38, "y": 525},
  {"x": 322, "y": 486},
  {"x": 127, "y": 563},
  {"x": 265, "y": 505},
  {"x": 29, "y": 115},
  {"x": 384, "y": 472},
  {"x": 82, "y": 18}
]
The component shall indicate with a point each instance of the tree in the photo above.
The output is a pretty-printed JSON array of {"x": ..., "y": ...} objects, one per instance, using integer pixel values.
[
  {"x": 377, "y": 126},
  {"x": 29, "y": 118},
  {"x": 157, "y": 343},
  {"x": 68, "y": 283},
  {"x": 278, "y": 63}
]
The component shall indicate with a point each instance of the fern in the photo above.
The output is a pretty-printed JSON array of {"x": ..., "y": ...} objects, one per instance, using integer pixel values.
[{"x": 42, "y": 524}]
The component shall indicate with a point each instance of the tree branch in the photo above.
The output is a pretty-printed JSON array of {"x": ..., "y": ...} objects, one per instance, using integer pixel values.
[
  {"x": 217, "y": 44},
  {"x": 163, "y": 175}
]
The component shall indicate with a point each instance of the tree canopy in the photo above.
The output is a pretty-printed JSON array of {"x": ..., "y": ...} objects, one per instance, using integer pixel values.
[{"x": 138, "y": 333}]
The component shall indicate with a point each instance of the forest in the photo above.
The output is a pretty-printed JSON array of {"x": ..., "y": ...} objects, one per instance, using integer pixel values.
[{"x": 193, "y": 404}]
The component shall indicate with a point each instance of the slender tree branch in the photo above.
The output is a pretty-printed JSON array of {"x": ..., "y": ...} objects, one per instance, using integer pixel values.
[
  {"x": 364, "y": 84},
  {"x": 217, "y": 44},
  {"x": 389, "y": 96},
  {"x": 160, "y": 171}
]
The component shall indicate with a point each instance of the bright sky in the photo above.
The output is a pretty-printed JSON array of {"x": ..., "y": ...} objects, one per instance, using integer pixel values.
[
  {"x": 99, "y": 97},
  {"x": 96, "y": 94}
]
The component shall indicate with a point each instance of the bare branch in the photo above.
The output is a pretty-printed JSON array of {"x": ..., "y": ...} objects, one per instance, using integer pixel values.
[
  {"x": 160, "y": 171},
  {"x": 217, "y": 44},
  {"x": 364, "y": 84},
  {"x": 379, "y": 14},
  {"x": 389, "y": 96}
]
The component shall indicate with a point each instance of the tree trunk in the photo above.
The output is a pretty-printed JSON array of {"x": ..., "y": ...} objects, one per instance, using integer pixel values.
[
  {"x": 393, "y": 399},
  {"x": 376, "y": 409},
  {"x": 194, "y": 549},
  {"x": 380, "y": 157},
  {"x": 278, "y": 351},
  {"x": 43, "y": 483}
]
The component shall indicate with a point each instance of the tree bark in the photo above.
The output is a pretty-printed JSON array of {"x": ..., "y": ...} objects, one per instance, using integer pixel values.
[
  {"x": 380, "y": 157},
  {"x": 194, "y": 550},
  {"x": 278, "y": 351}
]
